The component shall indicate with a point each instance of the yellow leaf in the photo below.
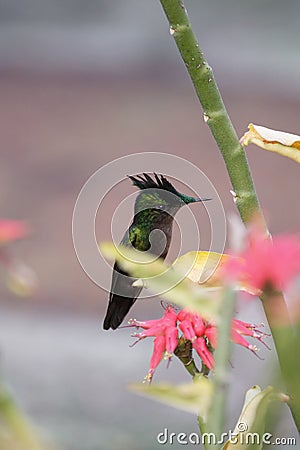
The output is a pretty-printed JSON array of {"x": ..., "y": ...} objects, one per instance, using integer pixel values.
[
  {"x": 194, "y": 397},
  {"x": 22, "y": 280},
  {"x": 206, "y": 269},
  {"x": 285, "y": 144}
]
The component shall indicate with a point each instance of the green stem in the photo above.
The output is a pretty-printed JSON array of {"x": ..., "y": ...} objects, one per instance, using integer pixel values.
[
  {"x": 215, "y": 113},
  {"x": 202, "y": 422},
  {"x": 18, "y": 426},
  {"x": 216, "y": 116},
  {"x": 184, "y": 352},
  {"x": 202, "y": 428},
  {"x": 287, "y": 344},
  {"x": 217, "y": 415}
]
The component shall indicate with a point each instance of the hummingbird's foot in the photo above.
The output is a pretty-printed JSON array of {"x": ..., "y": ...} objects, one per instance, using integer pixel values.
[{"x": 140, "y": 283}]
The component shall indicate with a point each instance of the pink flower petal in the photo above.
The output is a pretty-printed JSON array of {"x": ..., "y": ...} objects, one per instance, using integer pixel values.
[
  {"x": 198, "y": 324},
  {"x": 183, "y": 315},
  {"x": 187, "y": 330},
  {"x": 145, "y": 324},
  {"x": 158, "y": 352},
  {"x": 201, "y": 348},
  {"x": 239, "y": 339},
  {"x": 157, "y": 330},
  {"x": 211, "y": 333},
  {"x": 170, "y": 316},
  {"x": 171, "y": 339}
]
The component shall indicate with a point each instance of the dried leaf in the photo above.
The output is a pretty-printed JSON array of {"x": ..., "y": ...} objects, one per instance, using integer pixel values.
[{"x": 285, "y": 144}]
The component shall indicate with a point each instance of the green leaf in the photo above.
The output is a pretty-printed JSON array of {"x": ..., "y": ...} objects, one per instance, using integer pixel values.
[
  {"x": 194, "y": 397},
  {"x": 164, "y": 280},
  {"x": 250, "y": 427}
]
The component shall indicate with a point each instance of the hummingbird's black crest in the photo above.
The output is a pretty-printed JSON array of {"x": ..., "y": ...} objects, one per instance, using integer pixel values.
[
  {"x": 146, "y": 182},
  {"x": 163, "y": 188}
]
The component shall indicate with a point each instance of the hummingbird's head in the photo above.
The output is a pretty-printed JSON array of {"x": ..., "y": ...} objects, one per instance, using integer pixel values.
[{"x": 159, "y": 193}]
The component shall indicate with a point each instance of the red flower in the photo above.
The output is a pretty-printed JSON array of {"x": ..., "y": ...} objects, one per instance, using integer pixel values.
[
  {"x": 267, "y": 263},
  {"x": 239, "y": 329},
  {"x": 200, "y": 345},
  {"x": 158, "y": 353},
  {"x": 166, "y": 337},
  {"x": 202, "y": 334}
]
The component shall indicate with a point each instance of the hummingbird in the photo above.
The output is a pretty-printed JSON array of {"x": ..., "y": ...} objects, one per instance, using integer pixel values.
[{"x": 154, "y": 209}]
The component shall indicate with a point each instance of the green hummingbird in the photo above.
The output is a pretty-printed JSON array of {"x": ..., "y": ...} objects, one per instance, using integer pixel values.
[{"x": 154, "y": 209}]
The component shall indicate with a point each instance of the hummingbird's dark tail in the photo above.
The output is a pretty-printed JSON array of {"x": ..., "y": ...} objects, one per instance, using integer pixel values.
[
  {"x": 117, "y": 309},
  {"x": 119, "y": 305}
]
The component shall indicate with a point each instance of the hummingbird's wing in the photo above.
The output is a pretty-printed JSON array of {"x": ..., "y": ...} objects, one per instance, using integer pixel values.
[
  {"x": 119, "y": 305},
  {"x": 123, "y": 294}
]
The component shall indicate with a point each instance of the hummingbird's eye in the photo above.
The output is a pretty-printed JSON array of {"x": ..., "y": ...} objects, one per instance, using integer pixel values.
[{"x": 162, "y": 207}]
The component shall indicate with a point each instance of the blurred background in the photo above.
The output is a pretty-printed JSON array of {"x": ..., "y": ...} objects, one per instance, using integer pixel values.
[{"x": 83, "y": 82}]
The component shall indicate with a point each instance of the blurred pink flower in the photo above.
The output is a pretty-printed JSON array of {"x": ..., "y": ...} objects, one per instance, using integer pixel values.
[
  {"x": 11, "y": 230},
  {"x": 20, "y": 278},
  {"x": 266, "y": 263}
]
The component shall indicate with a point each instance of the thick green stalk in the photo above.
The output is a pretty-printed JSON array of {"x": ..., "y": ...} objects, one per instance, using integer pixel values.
[
  {"x": 216, "y": 116},
  {"x": 215, "y": 113},
  {"x": 216, "y": 419},
  {"x": 287, "y": 344},
  {"x": 184, "y": 352}
]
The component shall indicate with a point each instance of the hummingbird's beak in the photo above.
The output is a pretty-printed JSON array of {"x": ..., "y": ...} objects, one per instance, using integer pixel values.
[{"x": 198, "y": 199}]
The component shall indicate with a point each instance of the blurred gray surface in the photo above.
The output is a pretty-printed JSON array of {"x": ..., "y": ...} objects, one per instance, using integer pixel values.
[{"x": 254, "y": 39}]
